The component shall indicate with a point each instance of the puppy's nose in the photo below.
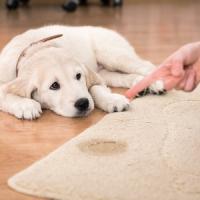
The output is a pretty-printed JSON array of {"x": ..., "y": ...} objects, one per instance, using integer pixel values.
[{"x": 82, "y": 104}]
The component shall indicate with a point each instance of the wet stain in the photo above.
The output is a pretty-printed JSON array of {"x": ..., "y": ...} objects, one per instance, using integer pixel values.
[{"x": 102, "y": 147}]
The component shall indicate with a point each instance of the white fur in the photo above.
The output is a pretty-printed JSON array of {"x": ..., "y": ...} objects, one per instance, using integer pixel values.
[{"x": 102, "y": 56}]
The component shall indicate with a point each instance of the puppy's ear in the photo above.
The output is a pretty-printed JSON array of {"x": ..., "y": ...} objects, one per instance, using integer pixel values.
[
  {"x": 20, "y": 87},
  {"x": 92, "y": 78}
]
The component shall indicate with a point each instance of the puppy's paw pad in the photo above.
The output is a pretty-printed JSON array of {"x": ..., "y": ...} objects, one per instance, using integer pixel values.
[
  {"x": 117, "y": 103},
  {"x": 27, "y": 109}
]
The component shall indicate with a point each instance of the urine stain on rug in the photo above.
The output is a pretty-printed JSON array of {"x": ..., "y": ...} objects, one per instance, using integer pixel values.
[{"x": 102, "y": 147}]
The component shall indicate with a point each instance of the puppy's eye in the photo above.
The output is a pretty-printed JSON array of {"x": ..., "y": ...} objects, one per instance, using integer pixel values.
[
  {"x": 55, "y": 86},
  {"x": 78, "y": 76}
]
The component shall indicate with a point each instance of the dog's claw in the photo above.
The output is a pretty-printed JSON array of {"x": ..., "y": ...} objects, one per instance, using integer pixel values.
[
  {"x": 161, "y": 92},
  {"x": 125, "y": 108},
  {"x": 115, "y": 109}
]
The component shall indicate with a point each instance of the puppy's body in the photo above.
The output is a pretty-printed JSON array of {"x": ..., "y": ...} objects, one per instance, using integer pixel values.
[{"x": 101, "y": 56}]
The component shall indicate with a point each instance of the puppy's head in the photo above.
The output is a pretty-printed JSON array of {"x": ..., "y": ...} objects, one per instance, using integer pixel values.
[{"x": 57, "y": 82}]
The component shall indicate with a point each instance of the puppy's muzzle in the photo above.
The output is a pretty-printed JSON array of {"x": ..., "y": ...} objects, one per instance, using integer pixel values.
[{"x": 82, "y": 104}]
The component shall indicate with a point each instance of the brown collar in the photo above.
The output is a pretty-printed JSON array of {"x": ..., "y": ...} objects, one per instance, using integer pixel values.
[{"x": 23, "y": 53}]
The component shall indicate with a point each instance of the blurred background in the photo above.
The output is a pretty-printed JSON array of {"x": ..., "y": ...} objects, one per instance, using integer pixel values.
[{"x": 155, "y": 28}]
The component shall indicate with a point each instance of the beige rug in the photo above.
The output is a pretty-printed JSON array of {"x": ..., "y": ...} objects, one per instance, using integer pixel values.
[{"x": 149, "y": 153}]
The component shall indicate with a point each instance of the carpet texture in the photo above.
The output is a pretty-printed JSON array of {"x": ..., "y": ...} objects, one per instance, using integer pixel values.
[{"x": 151, "y": 152}]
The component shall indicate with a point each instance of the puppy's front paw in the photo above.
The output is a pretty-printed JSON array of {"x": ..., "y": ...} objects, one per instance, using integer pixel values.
[
  {"x": 26, "y": 109},
  {"x": 156, "y": 88},
  {"x": 116, "y": 103}
]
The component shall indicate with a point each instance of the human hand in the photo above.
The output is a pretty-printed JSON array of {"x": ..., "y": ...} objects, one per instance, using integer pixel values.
[{"x": 181, "y": 70}]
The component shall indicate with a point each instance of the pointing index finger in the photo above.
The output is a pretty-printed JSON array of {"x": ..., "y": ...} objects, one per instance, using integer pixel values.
[{"x": 148, "y": 80}]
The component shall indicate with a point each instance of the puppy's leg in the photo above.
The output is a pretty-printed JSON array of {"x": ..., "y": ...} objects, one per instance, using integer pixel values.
[
  {"x": 136, "y": 68},
  {"x": 117, "y": 79},
  {"x": 116, "y": 54},
  {"x": 22, "y": 108},
  {"x": 108, "y": 101}
]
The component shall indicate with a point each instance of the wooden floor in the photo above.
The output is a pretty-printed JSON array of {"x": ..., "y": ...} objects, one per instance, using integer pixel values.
[{"x": 156, "y": 30}]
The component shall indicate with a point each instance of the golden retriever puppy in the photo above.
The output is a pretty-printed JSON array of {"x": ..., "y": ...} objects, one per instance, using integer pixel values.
[{"x": 67, "y": 70}]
